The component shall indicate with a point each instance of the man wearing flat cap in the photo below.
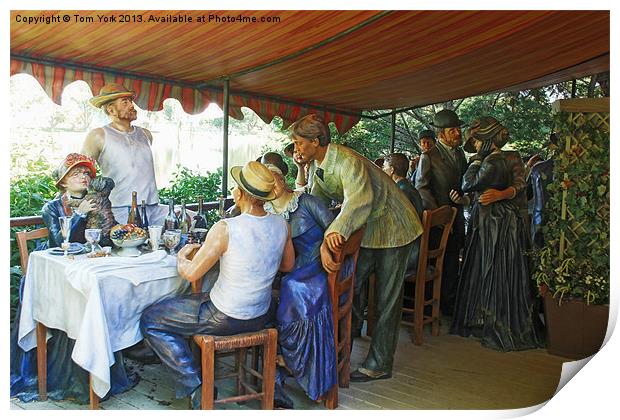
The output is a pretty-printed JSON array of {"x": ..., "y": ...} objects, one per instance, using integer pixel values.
[
  {"x": 123, "y": 152},
  {"x": 439, "y": 173}
]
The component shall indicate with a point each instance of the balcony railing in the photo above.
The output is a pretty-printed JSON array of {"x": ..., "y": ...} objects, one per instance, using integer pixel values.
[{"x": 38, "y": 220}]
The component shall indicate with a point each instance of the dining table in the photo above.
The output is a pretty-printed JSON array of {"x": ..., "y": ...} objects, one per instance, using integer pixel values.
[{"x": 96, "y": 301}]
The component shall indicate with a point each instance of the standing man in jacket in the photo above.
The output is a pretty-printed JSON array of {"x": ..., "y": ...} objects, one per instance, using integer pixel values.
[
  {"x": 369, "y": 197},
  {"x": 438, "y": 177}
]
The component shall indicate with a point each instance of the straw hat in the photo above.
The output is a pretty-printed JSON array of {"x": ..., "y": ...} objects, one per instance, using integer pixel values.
[
  {"x": 110, "y": 92},
  {"x": 255, "y": 179},
  {"x": 71, "y": 161}
]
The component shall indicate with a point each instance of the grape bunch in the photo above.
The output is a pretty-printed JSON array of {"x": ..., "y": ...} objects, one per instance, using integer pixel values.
[{"x": 127, "y": 232}]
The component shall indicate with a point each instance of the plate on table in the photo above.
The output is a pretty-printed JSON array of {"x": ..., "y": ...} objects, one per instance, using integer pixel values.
[{"x": 74, "y": 249}]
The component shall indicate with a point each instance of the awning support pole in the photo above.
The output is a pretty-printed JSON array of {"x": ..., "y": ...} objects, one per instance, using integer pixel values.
[
  {"x": 393, "y": 137},
  {"x": 225, "y": 139}
]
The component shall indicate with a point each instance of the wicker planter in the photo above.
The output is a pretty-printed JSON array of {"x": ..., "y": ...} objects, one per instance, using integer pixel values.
[{"x": 574, "y": 330}]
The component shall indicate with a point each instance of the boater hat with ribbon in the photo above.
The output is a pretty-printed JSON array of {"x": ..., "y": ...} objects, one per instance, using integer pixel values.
[
  {"x": 255, "y": 179},
  {"x": 110, "y": 92}
]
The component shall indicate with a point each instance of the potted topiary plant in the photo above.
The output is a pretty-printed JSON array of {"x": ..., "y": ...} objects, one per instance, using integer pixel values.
[{"x": 573, "y": 266}]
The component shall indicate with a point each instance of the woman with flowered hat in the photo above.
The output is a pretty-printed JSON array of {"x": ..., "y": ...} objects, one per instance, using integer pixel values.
[
  {"x": 73, "y": 176},
  {"x": 495, "y": 295},
  {"x": 65, "y": 379}
]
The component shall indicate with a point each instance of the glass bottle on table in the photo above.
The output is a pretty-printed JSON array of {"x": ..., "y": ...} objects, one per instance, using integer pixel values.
[
  {"x": 183, "y": 225},
  {"x": 172, "y": 221},
  {"x": 145, "y": 219},
  {"x": 200, "y": 220},
  {"x": 134, "y": 214}
]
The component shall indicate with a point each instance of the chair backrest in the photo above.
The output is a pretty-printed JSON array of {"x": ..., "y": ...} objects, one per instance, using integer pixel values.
[
  {"x": 22, "y": 244},
  {"x": 340, "y": 286},
  {"x": 441, "y": 217}
]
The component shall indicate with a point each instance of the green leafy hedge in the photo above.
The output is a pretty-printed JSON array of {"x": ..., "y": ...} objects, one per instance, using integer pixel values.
[{"x": 575, "y": 261}]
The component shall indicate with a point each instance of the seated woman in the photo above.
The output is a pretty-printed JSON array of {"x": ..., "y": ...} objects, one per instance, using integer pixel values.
[
  {"x": 304, "y": 315},
  {"x": 73, "y": 178},
  {"x": 65, "y": 379},
  {"x": 495, "y": 293},
  {"x": 251, "y": 249}
]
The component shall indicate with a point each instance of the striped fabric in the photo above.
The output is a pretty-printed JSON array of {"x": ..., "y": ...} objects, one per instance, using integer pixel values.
[{"x": 335, "y": 63}]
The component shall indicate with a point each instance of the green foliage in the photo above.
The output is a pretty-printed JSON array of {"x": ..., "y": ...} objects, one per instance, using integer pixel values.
[
  {"x": 28, "y": 194},
  {"x": 582, "y": 181},
  {"x": 187, "y": 185},
  {"x": 370, "y": 138}
]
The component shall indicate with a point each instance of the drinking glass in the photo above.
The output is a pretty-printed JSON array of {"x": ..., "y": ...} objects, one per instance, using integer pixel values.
[
  {"x": 172, "y": 239},
  {"x": 155, "y": 236},
  {"x": 65, "y": 229},
  {"x": 93, "y": 236}
]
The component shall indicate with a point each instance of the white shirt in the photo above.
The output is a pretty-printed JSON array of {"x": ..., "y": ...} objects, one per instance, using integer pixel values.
[{"x": 249, "y": 265}]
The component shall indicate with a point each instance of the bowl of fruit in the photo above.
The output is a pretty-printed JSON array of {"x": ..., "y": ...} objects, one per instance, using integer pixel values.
[{"x": 128, "y": 238}]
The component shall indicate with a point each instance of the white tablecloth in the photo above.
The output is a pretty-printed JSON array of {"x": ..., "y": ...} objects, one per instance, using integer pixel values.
[{"x": 96, "y": 301}]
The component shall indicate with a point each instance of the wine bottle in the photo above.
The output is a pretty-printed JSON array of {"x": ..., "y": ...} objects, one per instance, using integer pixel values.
[
  {"x": 183, "y": 219},
  {"x": 134, "y": 214},
  {"x": 200, "y": 220},
  {"x": 145, "y": 219},
  {"x": 172, "y": 221}
]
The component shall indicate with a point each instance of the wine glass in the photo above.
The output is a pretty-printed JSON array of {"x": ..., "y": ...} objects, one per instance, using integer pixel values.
[
  {"x": 93, "y": 236},
  {"x": 155, "y": 236},
  {"x": 65, "y": 229},
  {"x": 172, "y": 239}
]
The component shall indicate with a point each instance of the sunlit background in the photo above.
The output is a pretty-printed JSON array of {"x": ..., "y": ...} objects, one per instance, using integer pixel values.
[{"x": 44, "y": 131}]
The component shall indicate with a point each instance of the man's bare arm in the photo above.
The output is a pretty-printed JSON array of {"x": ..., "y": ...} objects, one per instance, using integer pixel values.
[
  {"x": 93, "y": 145},
  {"x": 148, "y": 136},
  {"x": 216, "y": 243},
  {"x": 288, "y": 258}
]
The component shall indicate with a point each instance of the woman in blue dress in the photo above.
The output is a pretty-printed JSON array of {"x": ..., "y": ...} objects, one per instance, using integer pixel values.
[
  {"x": 65, "y": 379},
  {"x": 304, "y": 315}
]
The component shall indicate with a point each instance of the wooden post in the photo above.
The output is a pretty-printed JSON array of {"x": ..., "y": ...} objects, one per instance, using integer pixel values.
[
  {"x": 225, "y": 139},
  {"x": 393, "y": 136}
]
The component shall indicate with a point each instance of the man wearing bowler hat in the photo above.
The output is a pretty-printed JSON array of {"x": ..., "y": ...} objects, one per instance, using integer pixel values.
[
  {"x": 439, "y": 175},
  {"x": 123, "y": 152}
]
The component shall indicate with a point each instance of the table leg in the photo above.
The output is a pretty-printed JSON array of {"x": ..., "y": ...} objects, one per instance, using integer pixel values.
[
  {"x": 42, "y": 360},
  {"x": 94, "y": 398}
]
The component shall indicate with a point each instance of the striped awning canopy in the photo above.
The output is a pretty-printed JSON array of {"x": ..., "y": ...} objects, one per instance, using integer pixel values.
[{"x": 290, "y": 63}]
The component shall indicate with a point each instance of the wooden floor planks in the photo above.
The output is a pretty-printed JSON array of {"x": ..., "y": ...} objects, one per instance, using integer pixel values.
[{"x": 446, "y": 372}]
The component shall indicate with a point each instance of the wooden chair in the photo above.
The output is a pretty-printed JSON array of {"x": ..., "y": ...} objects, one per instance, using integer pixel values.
[
  {"x": 22, "y": 244},
  {"x": 429, "y": 270},
  {"x": 341, "y": 311},
  {"x": 265, "y": 340},
  {"x": 210, "y": 344},
  {"x": 41, "y": 330}
]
